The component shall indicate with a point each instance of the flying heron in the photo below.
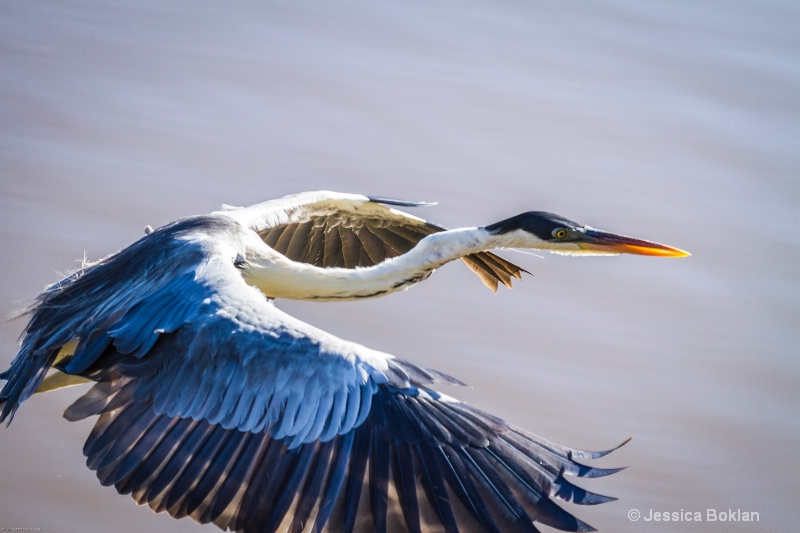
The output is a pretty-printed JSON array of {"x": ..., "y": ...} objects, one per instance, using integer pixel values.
[{"x": 215, "y": 404}]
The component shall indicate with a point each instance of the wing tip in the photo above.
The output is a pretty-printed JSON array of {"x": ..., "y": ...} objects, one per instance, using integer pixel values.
[
  {"x": 583, "y": 454},
  {"x": 493, "y": 269},
  {"x": 403, "y": 203}
]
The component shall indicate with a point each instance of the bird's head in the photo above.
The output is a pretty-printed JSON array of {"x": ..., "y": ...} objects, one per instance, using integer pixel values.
[{"x": 547, "y": 231}]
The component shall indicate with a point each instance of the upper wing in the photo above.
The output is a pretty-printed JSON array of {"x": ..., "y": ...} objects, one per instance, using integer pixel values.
[
  {"x": 214, "y": 404},
  {"x": 328, "y": 229},
  {"x": 173, "y": 311}
]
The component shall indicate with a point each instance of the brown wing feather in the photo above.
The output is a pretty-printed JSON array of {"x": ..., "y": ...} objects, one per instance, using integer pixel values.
[{"x": 348, "y": 242}]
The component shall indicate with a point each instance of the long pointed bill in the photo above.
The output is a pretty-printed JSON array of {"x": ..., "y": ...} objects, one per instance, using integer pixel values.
[{"x": 600, "y": 241}]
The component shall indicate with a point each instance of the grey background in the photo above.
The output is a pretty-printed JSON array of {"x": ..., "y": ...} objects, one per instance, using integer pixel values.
[{"x": 672, "y": 121}]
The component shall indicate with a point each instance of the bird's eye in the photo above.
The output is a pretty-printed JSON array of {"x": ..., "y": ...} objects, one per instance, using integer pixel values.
[{"x": 559, "y": 233}]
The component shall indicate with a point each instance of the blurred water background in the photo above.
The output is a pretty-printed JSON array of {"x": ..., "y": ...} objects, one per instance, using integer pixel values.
[{"x": 672, "y": 121}]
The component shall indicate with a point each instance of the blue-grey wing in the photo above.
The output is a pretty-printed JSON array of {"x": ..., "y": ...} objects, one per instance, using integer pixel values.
[
  {"x": 194, "y": 339},
  {"x": 214, "y": 404},
  {"x": 416, "y": 462}
]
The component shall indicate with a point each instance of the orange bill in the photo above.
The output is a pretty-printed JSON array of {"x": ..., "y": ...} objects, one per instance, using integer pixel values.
[{"x": 602, "y": 241}]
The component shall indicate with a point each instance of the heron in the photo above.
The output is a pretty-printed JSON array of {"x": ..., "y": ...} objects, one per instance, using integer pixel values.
[{"x": 213, "y": 404}]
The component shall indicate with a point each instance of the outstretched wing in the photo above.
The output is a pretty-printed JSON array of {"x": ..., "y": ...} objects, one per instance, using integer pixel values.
[
  {"x": 214, "y": 404},
  {"x": 328, "y": 229},
  {"x": 418, "y": 461}
]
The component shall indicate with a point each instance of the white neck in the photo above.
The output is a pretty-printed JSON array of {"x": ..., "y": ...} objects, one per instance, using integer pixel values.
[{"x": 280, "y": 277}]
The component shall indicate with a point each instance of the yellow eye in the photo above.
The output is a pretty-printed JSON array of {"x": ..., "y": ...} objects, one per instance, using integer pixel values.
[{"x": 559, "y": 233}]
